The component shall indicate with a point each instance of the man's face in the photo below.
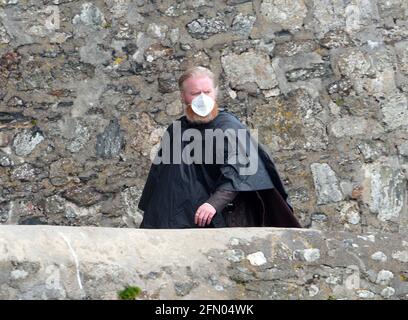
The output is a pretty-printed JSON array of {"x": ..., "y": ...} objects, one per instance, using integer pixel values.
[{"x": 194, "y": 86}]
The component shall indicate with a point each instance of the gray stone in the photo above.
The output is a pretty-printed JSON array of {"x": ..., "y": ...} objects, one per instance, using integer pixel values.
[
  {"x": 88, "y": 94},
  {"x": 19, "y": 274},
  {"x": 400, "y": 255},
  {"x": 4, "y": 213},
  {"x": 25, "y": 142},
  {"x": 80, "y": 139},
  {"x": 360, "y": 14},
  {"x": 4, "y": 37},
  {"x": 309, "y": 255},
  {"x": 242, "y": 24},
  {"x": 401, "y": 49},
  {"x": 167, "y": 83},
  {"x": 70, "y": 213},
  {"x": 308, "y": 62},
  {"x": 54, "y": 205},
  {"x": 130, "y": 199},
  {"x": 384, "y": 277},
  {"x": 203, "y": 28},
  {"x": 24, "y": 172},
  {"x": 157, "y": 51},
  {"x": 194, "y": 4},
  {"x": 354, "y": 63},
  {"x": 347, "y": 188},
  {"x": 288, "y": 14},
  {"x": 133, "y": 16},
  {"x": 294, "y": 47},
  {"x": 236, "y": 255},
  {"x": 93, "y": 54},
  {"x": 316, "y": 71},
  {"x": 5, "y": 160},
  {"x": 381, "y": 86},
  {"x": 369, "y": 70},
  {"x": 82, "y": 196},
  {"x": 174, "y": 108},
  {"x": 174, "y": 35},
  {"x": 379, "y": 256},
  {"x": 319, "y": 217},
  {"x": 384, "y": 190},
  {"x": 336, "y": 39},
  {"x": 157, "y": 31},
  {"x": 14, "y": 26},
  {"x": 46, "y": 22},
  {"x": 16, "y": 102},
  {"x": 387, "y": 292},
  {"x": 331, "y": 15},
  {"x": 326, "y": 183},
  {"x": 349, "y": 212},
  {"x": 90, "y": 15},
  {"x": 371, "y": 150},
  {"x": 76, "y": 132},
  {"x": 175, "y": 10},
  {"x": 395, "y": 112},
  {"x": 313, "y": 290},
  {"x": 327, "y": 15},
  {"x": 313, "y": 118},
  {"x": 183, "y": 288},
  {"x": 365, "y": 294},
  {"x": 394, "y": 34},
  {"x": 393, "y": 8},
  {"x": 403, "y": 149},
  {"x": 249, "y": 67},
  {"x": 257, "y": 258},
  {"x": 110, "y": 142},
  {"x": 118, "y": 8},
  {"x": 292, "y": 122},
  {"x": 351, "y": 126},
  {"x": 9, "y": 2}
]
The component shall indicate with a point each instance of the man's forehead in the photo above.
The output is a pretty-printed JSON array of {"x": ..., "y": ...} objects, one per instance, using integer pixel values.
[{"x": 199, "y": 82}]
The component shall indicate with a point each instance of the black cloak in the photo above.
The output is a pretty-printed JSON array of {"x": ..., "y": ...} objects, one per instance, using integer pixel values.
[{"x": 173, "y": 192}]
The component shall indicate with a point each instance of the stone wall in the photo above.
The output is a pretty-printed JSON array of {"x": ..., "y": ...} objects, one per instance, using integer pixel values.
[
  {"x": 86, "y": 89},
  {"x": 54, "y": 262}
]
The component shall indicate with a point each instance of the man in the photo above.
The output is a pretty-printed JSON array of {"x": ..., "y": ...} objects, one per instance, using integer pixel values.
[{"x": 211, "y": 188}]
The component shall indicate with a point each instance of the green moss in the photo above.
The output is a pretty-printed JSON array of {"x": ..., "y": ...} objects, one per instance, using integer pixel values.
[
  {"x": 129, "y": 293},
  {"x": 403, "y": 277},
  {"x": 339, "y": 101},
  {"x": 107, "y": 25},
  {"x": 331, "y": 298},
  {"x": 34, "y": 122}
]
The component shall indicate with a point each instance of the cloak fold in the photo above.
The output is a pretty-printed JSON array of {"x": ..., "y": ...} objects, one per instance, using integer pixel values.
[{"x": 173, "y": 192}]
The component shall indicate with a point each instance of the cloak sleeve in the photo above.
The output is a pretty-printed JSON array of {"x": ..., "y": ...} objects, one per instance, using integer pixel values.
[
  {"x": 243, "y": 168},
  {"x": 220, "y": 198},
  {"x": 257, "y": 180}
]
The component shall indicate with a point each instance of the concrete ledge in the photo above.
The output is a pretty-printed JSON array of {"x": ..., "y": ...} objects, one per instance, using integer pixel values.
[{"x": 50, "y": 262}]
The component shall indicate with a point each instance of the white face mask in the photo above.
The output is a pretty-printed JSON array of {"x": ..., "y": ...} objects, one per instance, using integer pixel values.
[{"x": 202, "y": 104}]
